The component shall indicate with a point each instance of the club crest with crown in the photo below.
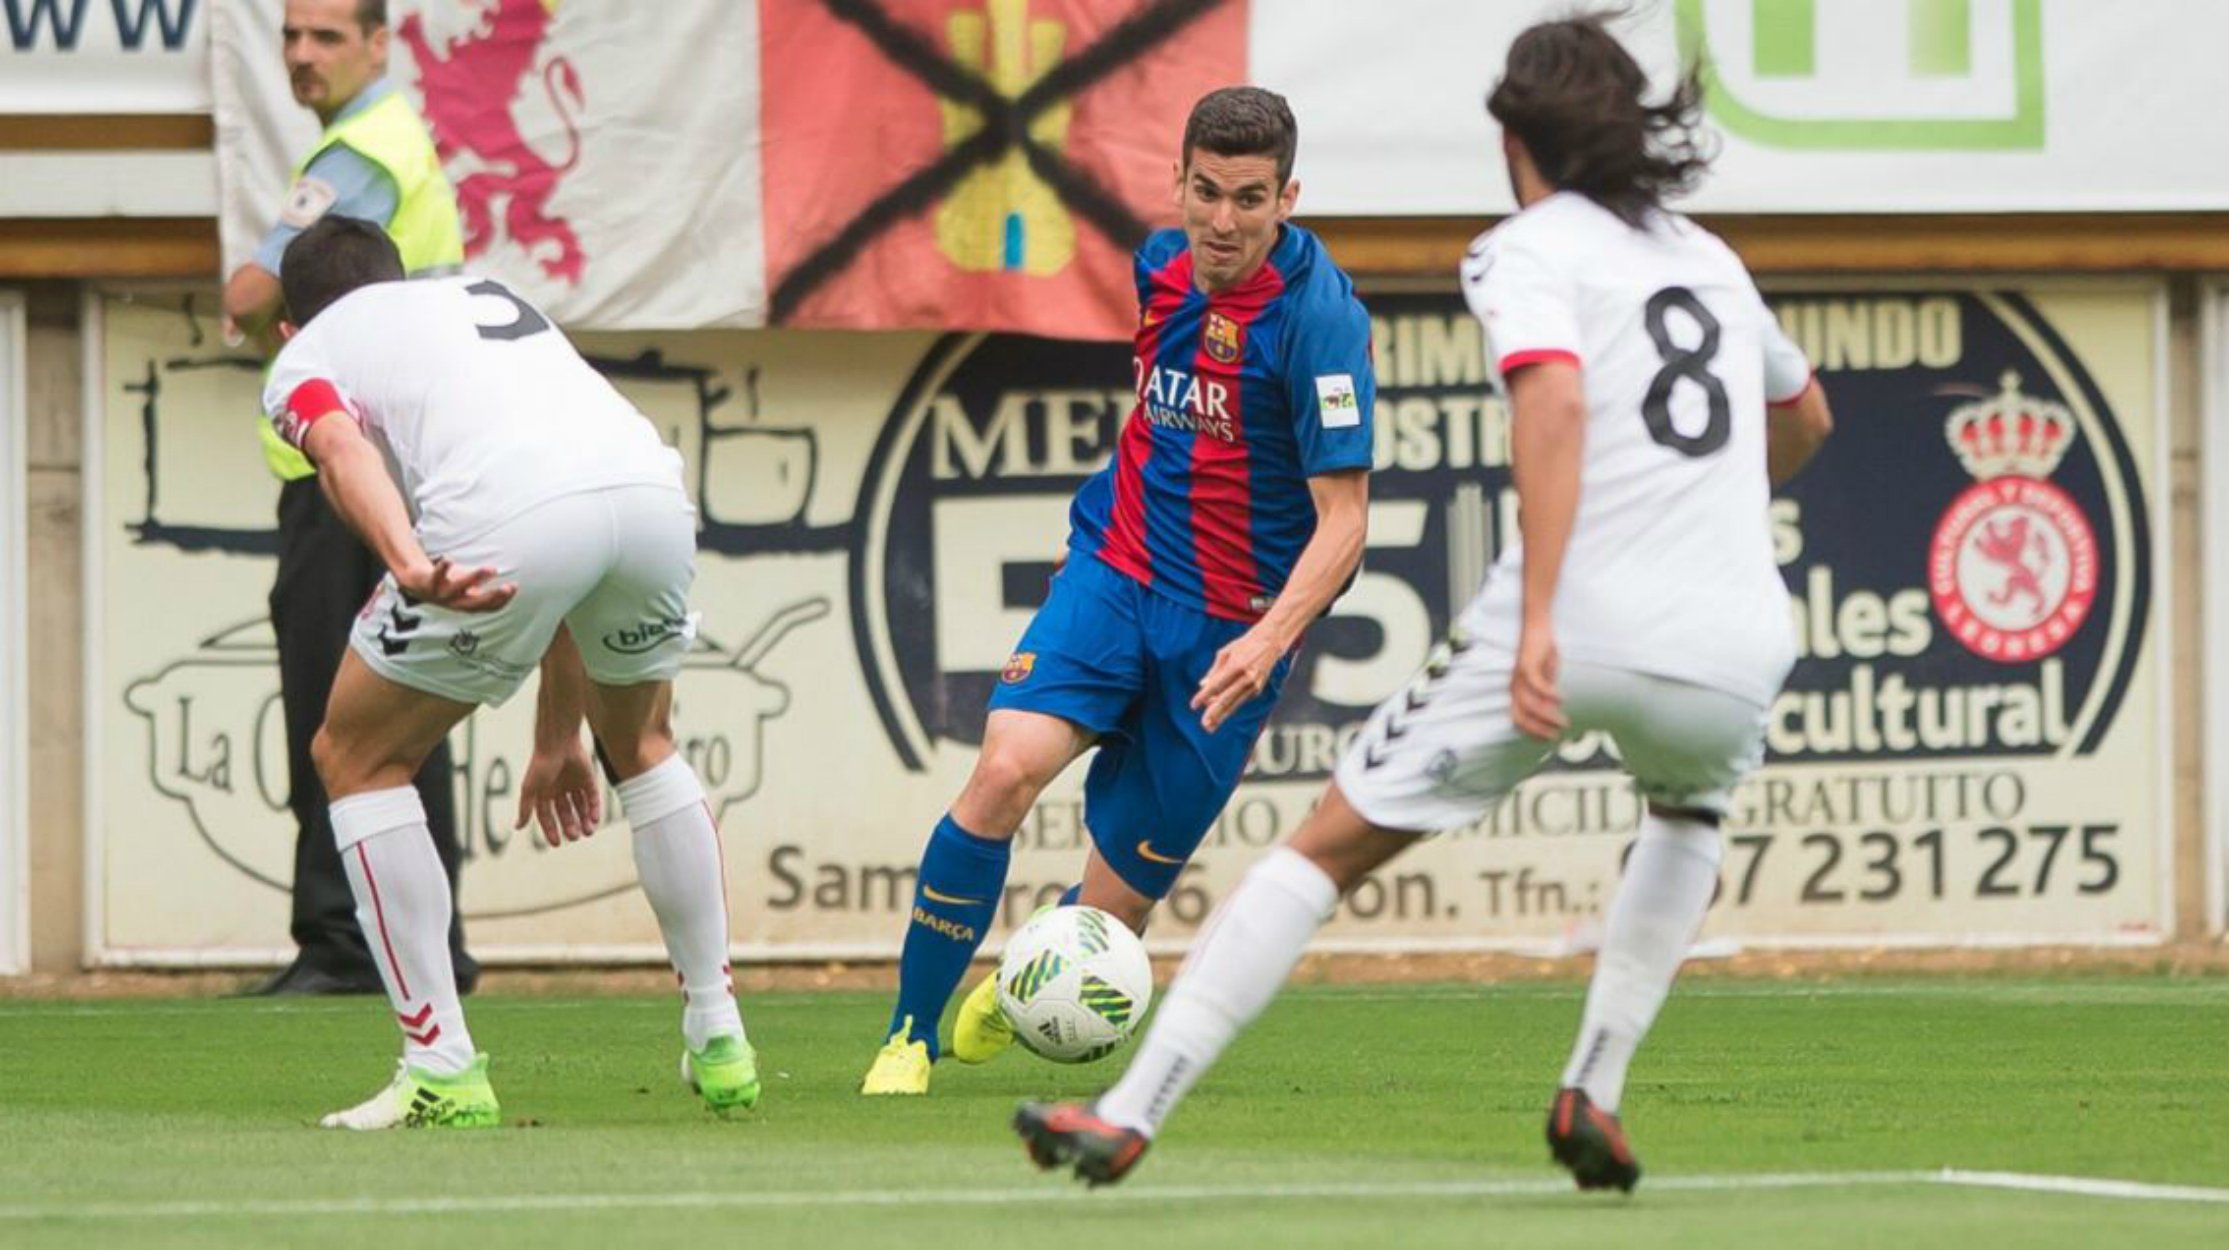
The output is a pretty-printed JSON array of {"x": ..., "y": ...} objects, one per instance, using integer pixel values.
[{"x": 2013, "y": 571}]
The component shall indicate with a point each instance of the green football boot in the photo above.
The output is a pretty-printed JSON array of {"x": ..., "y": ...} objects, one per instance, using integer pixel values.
[
  {"x": 724, "y": 1073},
  {"x": 417, "y": 1098}
]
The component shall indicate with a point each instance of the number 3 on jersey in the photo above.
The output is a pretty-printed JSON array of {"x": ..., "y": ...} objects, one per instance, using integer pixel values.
[
  {"x": 1685, "y": 364},
  {"x": 526, "y": 321}
]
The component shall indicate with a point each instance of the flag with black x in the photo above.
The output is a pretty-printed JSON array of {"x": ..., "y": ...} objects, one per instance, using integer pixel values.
[{"x": 976, "y": 164}]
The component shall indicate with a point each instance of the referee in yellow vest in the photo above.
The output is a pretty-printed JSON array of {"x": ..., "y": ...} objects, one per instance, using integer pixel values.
[{"x": 375, "y": 161}]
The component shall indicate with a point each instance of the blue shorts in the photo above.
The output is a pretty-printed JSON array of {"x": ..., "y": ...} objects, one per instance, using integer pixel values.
[{"x": 1110, "y": 655}]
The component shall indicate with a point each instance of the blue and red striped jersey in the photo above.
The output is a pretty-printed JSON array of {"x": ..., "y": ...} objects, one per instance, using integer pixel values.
[{"x": 1242, "y": 396}]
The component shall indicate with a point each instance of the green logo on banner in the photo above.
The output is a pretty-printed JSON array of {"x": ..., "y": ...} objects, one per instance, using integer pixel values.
[{"x": 1924, "y": 75}]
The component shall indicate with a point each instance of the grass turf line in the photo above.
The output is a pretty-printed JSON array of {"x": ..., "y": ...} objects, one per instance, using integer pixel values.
[{"x": 206, "y": 1104}]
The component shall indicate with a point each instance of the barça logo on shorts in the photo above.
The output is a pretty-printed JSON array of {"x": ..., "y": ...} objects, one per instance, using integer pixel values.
[
  {"x": 1221, "y": 338},
  {"x": 1018, "y": 668},
  {"x": 2014, "y": 567}
]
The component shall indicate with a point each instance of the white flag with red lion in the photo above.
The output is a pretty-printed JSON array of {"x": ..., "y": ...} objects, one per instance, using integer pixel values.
[{"x": 605, "y": 156}]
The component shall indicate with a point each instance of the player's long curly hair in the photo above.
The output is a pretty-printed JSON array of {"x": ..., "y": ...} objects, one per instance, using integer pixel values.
[{"x": 1576, "y": 99}]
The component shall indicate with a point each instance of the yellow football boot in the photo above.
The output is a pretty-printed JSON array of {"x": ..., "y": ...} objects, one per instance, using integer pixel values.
[
  {"x": 980, "y": 1032},
  {"x": 900, "y": 1067}
]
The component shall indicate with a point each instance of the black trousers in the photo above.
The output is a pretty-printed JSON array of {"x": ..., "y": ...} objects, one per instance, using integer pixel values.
[{"x": 325, "y": 576}]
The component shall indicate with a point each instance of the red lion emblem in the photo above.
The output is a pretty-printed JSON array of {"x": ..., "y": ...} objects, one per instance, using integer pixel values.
[
  {"x": 469, "y": 88},
  {"x": 2014, "y": 569},
  {"x": 2008, "y": 546}
]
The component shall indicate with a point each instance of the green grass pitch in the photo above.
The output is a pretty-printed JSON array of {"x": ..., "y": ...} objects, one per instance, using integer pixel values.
[{"x": 1380, "y": 1116}]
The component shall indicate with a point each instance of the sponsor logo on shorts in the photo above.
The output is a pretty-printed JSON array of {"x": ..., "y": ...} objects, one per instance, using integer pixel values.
[
  {"x": 1151, "y": 856},
  {"x": 647, "y": 636},
  {"x": 501, "y": 670},
  {"x": 464, "y": 642},
  {"x": 1018, "y": 668},
  {"x": 395, "y": 631}
]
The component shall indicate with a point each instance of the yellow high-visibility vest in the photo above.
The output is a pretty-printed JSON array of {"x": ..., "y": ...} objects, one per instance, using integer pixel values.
[{"x": 390, "y": 135}]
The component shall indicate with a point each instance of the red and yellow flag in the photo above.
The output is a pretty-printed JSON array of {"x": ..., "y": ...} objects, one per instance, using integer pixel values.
[{"x": 976, "y": 164}]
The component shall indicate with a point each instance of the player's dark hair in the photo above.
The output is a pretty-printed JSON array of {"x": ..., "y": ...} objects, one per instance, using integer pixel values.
[
  {"x": 333, "y": 257},
  {"x": 371, "y": 15},
  {"x": 1575, "y": 98},
  {"x": 1244, "y": 121}
]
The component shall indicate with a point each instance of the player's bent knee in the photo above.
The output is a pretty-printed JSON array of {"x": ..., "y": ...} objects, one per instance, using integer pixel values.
[
  {"x": 327, "y": 757},
  {"x": 1340, "y": 862},
  {"x": 1104, "y": 888},
  {"x": 631, "y": 759},
  {"x": 1345, "y": 846},
  {"x": 1005, "y": 782},
  {"x": 343, "y": 772},
  {"x": 345, "y": 767},
  {"x": 1014, "y": 772}
]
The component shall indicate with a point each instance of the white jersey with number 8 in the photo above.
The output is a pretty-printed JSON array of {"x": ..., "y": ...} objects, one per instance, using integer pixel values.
[{"x": 1670, "y": 567}]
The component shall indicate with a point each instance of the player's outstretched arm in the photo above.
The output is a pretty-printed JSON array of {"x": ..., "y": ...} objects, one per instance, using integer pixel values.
[
  {"x": 1794, "y": 432},
  {"x": 560, "y": 792},
  {"x": 1242, "y": 669},
  {"x": 354, "y": 477}
]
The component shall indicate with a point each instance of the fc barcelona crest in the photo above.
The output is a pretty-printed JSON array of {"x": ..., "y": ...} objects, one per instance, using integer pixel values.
[
  {"x": 1018, "y": 667},
  {"x": 1221, "y": 338}
]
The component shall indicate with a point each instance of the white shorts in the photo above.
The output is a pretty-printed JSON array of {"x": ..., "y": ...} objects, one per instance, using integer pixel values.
[
  {"x": 613, "y": 564},
  {"x": 1442, "y": 752}
]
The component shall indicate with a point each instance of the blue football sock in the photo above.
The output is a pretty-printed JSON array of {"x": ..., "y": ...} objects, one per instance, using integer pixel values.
[{"x": 962, "y": 877}]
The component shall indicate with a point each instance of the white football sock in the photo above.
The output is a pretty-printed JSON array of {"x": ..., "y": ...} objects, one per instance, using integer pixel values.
[
  {"x": 677, "y": 857},
  {"x": 1238, "y": 964},
  {"x": 1654, "y": 916},
  {"x": 403, "y": 905}
]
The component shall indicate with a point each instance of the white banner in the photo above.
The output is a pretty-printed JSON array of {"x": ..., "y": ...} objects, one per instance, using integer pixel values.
[
  {"x": 605, "y": 156},
  {"x": 15, "y": 706},
  {"x": 1973, "y": 748},
  {"x": 104, "y": 56},
  {"x": 877, "y": 165},
  {"x": 1848, "y": 106}
]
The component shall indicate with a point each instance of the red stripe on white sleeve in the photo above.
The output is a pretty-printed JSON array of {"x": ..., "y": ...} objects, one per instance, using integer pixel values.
[
  {"x": 308, "y": 404},
  {"x": 1538, "y": 356},
  {"x": 1809, "y": 380}
]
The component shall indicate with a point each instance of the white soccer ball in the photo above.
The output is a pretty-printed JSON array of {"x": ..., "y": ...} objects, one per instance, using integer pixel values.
[{"x": 1074, "y": 982}]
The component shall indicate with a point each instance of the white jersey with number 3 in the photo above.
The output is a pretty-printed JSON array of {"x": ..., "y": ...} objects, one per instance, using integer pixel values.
[
  {"x": 481, "y": 406},
  {"x": 1670, "y": 567}
]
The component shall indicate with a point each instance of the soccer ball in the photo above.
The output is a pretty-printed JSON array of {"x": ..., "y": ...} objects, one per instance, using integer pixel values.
[{"x": 1074, "y": 983}]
